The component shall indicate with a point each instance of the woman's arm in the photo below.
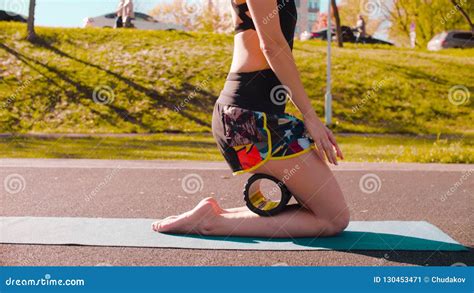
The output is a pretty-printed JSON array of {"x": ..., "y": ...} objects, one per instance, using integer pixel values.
[{"x": 280, "y": 58}]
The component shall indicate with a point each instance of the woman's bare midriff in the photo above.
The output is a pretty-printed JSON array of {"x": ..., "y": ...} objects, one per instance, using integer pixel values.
[{"x": 247, "y": 55}]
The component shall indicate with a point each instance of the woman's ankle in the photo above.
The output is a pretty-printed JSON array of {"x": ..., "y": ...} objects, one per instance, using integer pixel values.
[{"x": 208, "y": 226}]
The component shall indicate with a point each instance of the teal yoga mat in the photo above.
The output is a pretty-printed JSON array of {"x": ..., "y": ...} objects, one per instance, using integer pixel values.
[{"x": 359, "y": 235}]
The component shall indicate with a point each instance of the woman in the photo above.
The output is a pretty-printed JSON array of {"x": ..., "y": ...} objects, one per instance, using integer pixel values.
[
  {"x": 360, "y": 28},
  {"x": 255, "y": 135},
  {"x": 124, "y": 14}
]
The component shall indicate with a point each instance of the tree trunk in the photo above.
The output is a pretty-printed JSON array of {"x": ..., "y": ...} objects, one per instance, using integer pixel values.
[
  {"x": 338, "y": 23},
  {"x": 466, "y": 16},
  {"x": 31, "y": 34}
]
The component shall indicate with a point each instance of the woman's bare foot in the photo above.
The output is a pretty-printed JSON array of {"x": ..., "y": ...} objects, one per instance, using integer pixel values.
[{"x": 195, "y": 221}]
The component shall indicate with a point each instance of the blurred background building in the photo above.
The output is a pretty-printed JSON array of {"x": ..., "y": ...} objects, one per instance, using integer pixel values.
[{"x": 308, "y": 15}]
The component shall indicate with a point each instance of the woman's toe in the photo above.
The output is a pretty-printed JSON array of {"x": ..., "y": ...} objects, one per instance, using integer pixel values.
[
  {"x": 165, "y": 226},
  {"x": 157, "y": 224}
]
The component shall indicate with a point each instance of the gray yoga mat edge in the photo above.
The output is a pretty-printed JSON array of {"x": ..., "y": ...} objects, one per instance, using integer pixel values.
[{"x": 359, "y": 235}]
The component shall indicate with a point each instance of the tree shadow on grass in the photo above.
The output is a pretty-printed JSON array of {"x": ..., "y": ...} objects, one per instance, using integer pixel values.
[
  {"x": 88, "y": 92},
  {"x": 83, "y": 90},
  {"x": 411, "y": 73},
  {"x": 168, "y": 101}
]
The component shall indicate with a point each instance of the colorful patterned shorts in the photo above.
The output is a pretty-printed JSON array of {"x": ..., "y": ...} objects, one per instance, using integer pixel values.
[{"x": 247, "y": 138}]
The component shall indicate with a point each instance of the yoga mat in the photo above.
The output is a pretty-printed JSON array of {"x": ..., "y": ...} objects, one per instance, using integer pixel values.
[{"x": 359, "y": 235}]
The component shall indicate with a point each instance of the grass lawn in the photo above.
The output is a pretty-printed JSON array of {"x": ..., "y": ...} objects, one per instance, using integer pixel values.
[
  {"x": 157, "y": 81},
  {"x": 202, "y": 147}
]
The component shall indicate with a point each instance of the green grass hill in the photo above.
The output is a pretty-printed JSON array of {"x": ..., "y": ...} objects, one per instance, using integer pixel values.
[{"x": 156, "y": 81}]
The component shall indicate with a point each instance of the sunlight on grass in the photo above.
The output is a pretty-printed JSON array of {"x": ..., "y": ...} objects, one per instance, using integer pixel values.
[
  {"x": 202, "y": 147},
  {"x": 376, "y": 89}
]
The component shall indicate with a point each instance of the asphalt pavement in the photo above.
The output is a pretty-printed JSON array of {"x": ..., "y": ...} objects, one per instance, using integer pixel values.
[{"x": 440, "y": 194}]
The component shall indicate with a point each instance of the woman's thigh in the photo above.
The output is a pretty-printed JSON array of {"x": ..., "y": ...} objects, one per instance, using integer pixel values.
[{"x": 312, "y": 183}]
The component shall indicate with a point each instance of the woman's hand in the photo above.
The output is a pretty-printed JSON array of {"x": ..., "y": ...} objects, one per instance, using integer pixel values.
[{"x": 324, "y": 140}]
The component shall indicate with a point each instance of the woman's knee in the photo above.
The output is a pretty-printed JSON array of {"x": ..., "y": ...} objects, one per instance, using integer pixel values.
[{"x": 339, "y": 223}]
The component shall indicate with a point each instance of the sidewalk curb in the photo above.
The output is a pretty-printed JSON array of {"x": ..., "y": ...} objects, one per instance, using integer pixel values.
[{"x": 205, "y": 165}]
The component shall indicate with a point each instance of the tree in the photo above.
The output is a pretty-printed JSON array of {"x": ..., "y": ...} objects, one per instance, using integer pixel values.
[
  {"x": 463, "y": 12},
  {"x": 31, "y": 34},
  {"x": 176, "y": 11},
  {"x": 350, "y": 9},
  {"x": 193, "y": 15},
  {"x": 335, "y": 11},
  {"x": 430, "y": 17},
  {"x": 212, "y": 20}
]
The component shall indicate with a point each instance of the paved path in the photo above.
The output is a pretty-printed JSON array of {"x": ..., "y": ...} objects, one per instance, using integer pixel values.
[{"x": 440, "y": 194}]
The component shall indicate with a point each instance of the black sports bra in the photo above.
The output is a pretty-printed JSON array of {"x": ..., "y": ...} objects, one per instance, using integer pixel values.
[{"x": 286, "y": 11}]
